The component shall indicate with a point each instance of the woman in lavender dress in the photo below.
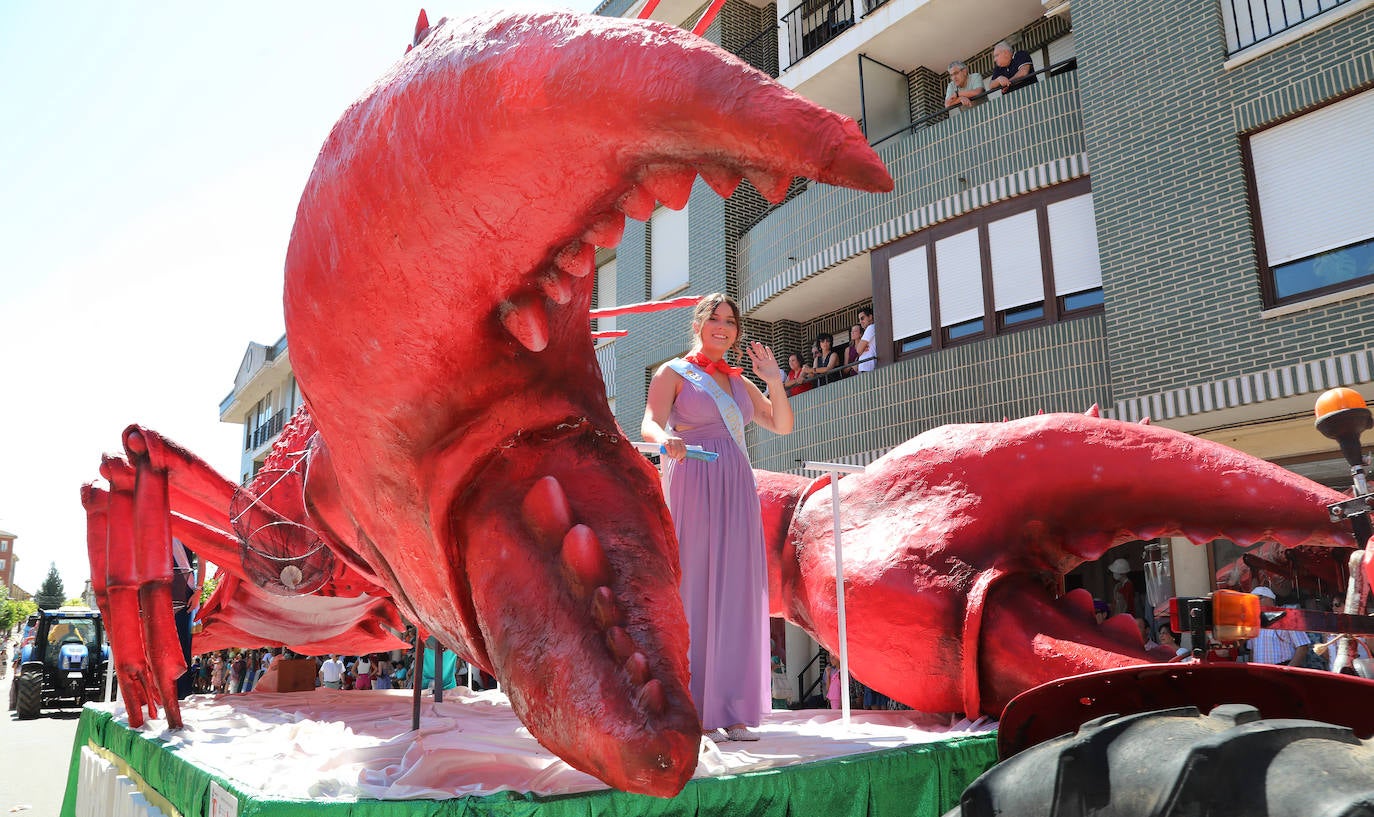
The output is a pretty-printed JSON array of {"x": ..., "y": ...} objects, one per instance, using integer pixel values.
[{"x": 701, "y": 400}]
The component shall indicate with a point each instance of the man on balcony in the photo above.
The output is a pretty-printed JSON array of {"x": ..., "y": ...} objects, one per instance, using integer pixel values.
[
  {"x": 1011, "y": 70},
  {"x": 965, "y": 89}
]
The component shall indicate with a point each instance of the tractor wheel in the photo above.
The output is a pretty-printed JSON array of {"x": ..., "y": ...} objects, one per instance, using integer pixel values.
[
  {"x": 1179, "y": 762},
  {"x": 29, "y": 699}
]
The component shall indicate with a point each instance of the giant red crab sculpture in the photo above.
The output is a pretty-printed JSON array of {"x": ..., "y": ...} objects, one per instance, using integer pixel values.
[{"x": 460, "y": 466}]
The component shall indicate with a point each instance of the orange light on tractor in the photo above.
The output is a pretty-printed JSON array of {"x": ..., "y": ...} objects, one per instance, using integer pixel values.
[
  {"x": 1333, "y": 400},
  {"x": 1235, "y": 616}
]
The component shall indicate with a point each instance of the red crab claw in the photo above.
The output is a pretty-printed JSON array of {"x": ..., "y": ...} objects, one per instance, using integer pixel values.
[
  {"x": 437, "y": 294},
  {"x": 952, "y": 538}
]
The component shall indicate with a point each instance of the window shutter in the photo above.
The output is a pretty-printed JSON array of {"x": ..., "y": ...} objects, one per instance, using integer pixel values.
[
  {"x": 1310, "y": 198},
  {"x": 605, "y": 294},
  {"x": 958, "y": 269},
  {"x": 1073, "y": 245},
  {"x": 909, "y": 284},
  {"x": 1014, "y": 247},
  {"x": 668, "y": 259}
]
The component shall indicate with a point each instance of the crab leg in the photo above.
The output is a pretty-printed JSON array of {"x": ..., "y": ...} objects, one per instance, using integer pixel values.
[
  {"x": 112, "y": 561},
  {"x": 152, "y": 566}
]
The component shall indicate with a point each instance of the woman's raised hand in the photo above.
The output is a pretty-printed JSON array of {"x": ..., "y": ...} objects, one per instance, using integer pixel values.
[{"x": 765, "y": 364}]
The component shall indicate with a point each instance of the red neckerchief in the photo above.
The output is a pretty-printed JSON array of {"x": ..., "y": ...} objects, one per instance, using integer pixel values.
[{"x": 706, "y": 364}]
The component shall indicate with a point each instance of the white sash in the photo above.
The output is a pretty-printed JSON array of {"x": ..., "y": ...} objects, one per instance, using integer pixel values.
[{"x": 725, "y": 403}]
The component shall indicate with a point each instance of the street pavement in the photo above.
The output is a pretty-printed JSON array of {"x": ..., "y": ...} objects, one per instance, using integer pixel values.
[{"x": 34, "y": 757}]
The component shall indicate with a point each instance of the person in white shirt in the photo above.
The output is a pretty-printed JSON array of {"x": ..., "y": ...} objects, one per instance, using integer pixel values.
[
  {"x": 331, "y": 672},
  {"x": 868, "y": 344}
]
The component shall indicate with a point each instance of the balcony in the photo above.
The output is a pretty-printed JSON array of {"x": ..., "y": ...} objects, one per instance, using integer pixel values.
[
  {"x": 822, "y": 40},
  {"x": 264, "y": 434},
  {"x": 811, "y": 254}
]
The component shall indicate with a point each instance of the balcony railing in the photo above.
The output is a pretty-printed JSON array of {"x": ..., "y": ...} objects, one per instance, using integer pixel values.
[
  {"x": 1253, "y": 21},
  {"x": 762, "y": 51},
  {"x": 260, "y": 435},
  {"x": 815, "y": 23},
  {"x": 941, "y": 115}
]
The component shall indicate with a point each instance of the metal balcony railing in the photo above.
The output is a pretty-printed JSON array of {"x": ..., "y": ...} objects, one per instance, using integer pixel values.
[
  {"x": 813, "y": 24},
  {"x": 1068, "y": 66},
  {"x": 259, "y": 436},
  {"x": 1253, "y": 21},
  {"x": 762, "y": 51}
]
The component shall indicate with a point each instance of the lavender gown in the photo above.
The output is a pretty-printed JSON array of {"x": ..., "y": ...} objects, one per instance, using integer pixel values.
[{"x": 715, "y": 509}]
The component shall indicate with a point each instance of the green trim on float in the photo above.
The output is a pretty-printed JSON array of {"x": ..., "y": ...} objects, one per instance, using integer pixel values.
[{"x": 919, "y": 780}]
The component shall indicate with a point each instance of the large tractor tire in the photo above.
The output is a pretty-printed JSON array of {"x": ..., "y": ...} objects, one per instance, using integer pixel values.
[
  {"x": 1174, "y": 762},
  {"x": 29, "y": 698}
]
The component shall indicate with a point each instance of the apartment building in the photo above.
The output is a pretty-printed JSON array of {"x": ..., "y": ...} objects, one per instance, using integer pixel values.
[
  {"x": 7, "y": 560},
  {"x": 264, "y": 397},
  {"x": 1168, "y": 223}
]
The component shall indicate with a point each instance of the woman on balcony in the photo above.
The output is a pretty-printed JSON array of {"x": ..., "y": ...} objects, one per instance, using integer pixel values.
[
  {"x": 701, "y": 400},
  {"x": 827, "y": 360},
  {"x": 798, "y": 376}
]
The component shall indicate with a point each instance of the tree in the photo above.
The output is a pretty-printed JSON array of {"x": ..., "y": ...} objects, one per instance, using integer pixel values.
[
  {"x": 13, "y": 613},
  {"x": 51, "y": 594}
]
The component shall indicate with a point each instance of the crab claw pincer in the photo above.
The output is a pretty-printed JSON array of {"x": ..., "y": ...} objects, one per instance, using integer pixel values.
[{"x": 438, "y": 285}]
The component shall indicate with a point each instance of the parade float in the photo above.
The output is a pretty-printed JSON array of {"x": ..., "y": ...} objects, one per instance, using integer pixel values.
[{"x": 493, "y": 502}]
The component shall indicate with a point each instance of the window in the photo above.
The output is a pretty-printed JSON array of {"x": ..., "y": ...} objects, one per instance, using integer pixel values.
[
  {"x": 1247, "y": 22},
  {"x": 668, "y": 266},
  {"x": 2, "y": 564},
  {"x": 4, "y": 545},
  {"x": 1021, "y": 263},
  {"x": 605, "y": 294},
  {"x": 1313, "y": 228}
]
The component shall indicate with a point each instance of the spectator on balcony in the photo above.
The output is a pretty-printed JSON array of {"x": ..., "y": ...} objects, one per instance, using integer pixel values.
[
  {"x": 1011, "y": 69},
  {"x": 798, "y": 378},
  {"x": 827, "y": 360},
  {"x": 868, "y": 342},
  {"x": 965, "y": 89},
  {"x": 851, "y": 352}
]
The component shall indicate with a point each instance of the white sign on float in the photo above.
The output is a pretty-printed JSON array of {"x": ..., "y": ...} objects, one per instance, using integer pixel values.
[{"x": 222, "y": 803}]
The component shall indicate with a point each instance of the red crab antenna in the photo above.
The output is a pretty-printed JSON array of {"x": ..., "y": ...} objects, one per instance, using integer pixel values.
[
  {"x": 708, "y": 17},
  {"x": 648, "y": 306}
]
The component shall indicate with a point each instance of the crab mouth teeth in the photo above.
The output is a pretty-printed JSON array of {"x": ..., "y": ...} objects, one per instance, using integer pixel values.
[{"x": 526, "y": 311}]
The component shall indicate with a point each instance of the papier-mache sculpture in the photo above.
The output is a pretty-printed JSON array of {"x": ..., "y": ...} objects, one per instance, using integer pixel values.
[{"x": 492, "y": 499}]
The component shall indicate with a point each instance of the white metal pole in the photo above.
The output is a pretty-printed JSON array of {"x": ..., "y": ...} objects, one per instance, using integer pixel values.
[{"x": 835, "y": 469}]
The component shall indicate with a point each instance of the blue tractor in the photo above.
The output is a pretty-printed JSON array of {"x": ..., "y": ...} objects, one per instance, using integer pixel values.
[{"x": 62, "y": 661}]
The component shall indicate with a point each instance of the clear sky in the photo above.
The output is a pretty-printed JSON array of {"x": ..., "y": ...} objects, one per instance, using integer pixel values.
[{"x": 151, "y": 158}]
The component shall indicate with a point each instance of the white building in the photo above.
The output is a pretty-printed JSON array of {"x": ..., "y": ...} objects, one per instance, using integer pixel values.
[{"x": 265, "y": 396}]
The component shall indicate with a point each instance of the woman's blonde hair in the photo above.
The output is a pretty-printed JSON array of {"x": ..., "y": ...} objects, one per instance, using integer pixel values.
[{"x": 706, "y": 307}]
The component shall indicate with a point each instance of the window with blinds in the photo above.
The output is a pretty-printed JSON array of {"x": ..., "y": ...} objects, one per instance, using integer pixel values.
[
  {"x": 1312, "y": 215},
  {"x": 668, "y": 269},
  {"x": 1023, "y": 263},
  {"x": 605, "y": 295}
]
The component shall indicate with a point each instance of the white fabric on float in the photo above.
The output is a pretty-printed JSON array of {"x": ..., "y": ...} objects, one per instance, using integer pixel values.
[{"x": 348, "y": 744}]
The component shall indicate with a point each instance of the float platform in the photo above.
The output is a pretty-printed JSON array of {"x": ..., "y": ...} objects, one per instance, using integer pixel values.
[{"x": 352, "y": 753}]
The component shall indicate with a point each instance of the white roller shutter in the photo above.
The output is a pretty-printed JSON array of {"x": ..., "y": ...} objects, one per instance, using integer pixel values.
[
  {"x": 1014, "y": 250},
  {"x": 1310, "y": 199},
  {"x": 959, "y": 271},
  {"x": 1062, "y": 49},
  {"x": 605, "y": 294},
  {"x": 668, "y": 259},
  {"x": 1073, "y": 245},
  {"x": 909, "y": 285}
]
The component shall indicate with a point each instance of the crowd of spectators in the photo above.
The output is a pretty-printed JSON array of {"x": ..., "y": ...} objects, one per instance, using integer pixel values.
[
  {"x": 235, "y": 671},
  {"x": 828, "y": 363}
]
